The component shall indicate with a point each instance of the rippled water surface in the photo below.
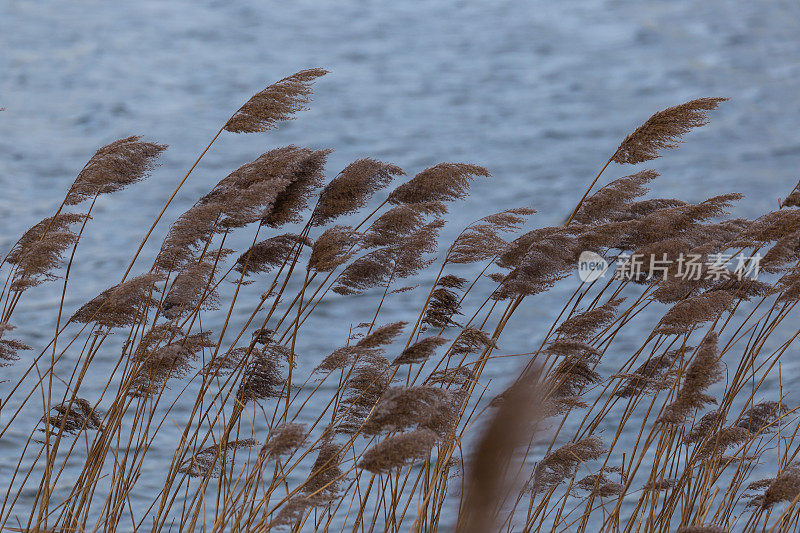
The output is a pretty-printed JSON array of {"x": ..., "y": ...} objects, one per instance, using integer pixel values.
[{"x": 538, "y": 92}]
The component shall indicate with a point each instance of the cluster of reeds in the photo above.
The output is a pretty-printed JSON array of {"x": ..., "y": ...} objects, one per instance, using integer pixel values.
[{"x": 382, "y": 431}]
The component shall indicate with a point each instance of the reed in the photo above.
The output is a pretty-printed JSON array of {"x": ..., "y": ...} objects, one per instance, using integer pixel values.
[{"x": 654, "y": 402}]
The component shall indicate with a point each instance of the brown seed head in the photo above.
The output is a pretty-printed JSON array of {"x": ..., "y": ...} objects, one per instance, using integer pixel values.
[
  {"x": 113, "y": 167},
  {"x": 398, "y": 450},
  {"x": 278, "y": 102},
  {"x": 664, "y": 130},
  {"x": 352, "y": 188},
  {"x": 444, "y": 182}
]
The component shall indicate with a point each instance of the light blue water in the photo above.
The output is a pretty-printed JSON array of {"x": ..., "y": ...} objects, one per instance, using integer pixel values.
[{"x": 538, "y": 92}]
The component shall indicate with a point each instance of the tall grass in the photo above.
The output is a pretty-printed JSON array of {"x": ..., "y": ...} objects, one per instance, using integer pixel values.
[{"x": 392, "y": 428}]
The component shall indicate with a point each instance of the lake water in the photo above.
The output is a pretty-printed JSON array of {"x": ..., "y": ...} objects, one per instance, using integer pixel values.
[{"x": 540, "y": 93}]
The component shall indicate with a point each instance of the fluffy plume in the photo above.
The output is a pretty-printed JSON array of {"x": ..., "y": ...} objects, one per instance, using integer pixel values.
[
  {"x": 333, "y": 248},
  {"x": 208, "y": 462},
  {"x": 227, "y": 362},
  {"x": 702, "y": 372},
  {"x": 423, "y": 407},
  {"x": 296, "y": 507},
  {"x": 246, "y": 195},
  {"x": 743, "y": 289},
  {"x": 79, "y": 415},
  {"x": 680, "y": 222},
  {"x": 599, "y": 486},
  {"x": 460, "y": 376},
  {"x": 784, "y": 253},
  {"x": 284, "y": 439},
  {"x": 571, "y": 376},
  {"x": 367, "y": 271},
  {"x": 262, "y": 377},
  {"x": 444, "y": 182},
  {"x": 193, "y": 287},
  {"x": 276, "y": 103},
  {"x": 789, "y": 287},
  {"x": 383, "y": 335},
  {"x": 369, "y": 349},
  {"x": 352, "y": 188},
  {"x": 40, "y": 249},
  {"x": 340, "y": 358},
  {"x": 659, "y": 485},
  {"x": 121, "y": 304},
  {"x": 612, "y": 199},
  {"x": 471, "y": 340},
  {"x": 714, "y": 444},
  {"x": 769, "y": 228},
  {"x": 761, "y": 417},
  {"x": 783, "y": 488},
  {"x": 173, "y": 359},
  {"x": 410, "y": 252},
  {"x": 399, "y": 222},
  {"x": 583, "y": 325},
  {"x": 482, "y": 240},
  {"x": 694, "y": 311},
  {"x": 664, "y": 130},
  {"x": 269, "y": 253},
  {"x": 444, "y": 303},
  {"x": 398, "y": 450},
  {"x": 9, "y": 347},
  {"x": 306, "y": 176},
  {"x": 419, "y": 351},
  {"x": 563, "y": 462},
  {"x": 793, "y": 200},
  {"x": 538, "y": 259},
  {"x": 401, "y": 260},
  {"x": 650, "y": 374},
  {"x": 573, "y": 348},
  {"x": 113, "y": 167},
  {"x": 326, "y": 473},
  {"x": 263, "y": 335},
  {"x": 364, "y": 388}
]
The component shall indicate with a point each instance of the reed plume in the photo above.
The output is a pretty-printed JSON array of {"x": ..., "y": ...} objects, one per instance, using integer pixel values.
[
  {"x": 114, "y": 167},
  {"x": 398, "y": 450},
  {"x": 72, "y": 417},
  {"x": 278, "y": 102},
  {"x": 120, "y": 305},
  {"x": 352, "y": 188},
  {"x": 420, "y": 351},
  {"x": 664, "y": 130},
  {"x": 262, "y": 377},
  {"x": 793, "y": 200},
  {"x": 445, "y": 182},
  {"x": 9, "y": 347},
  {"x": 269, "y": 253},
  {"x": 332, "y": 249},
  {"x": 612, "y": 200},
  {"x": 702, "y": 372},
  {"x": 402, "y": 408},
  {"x": 208, "y": 462},
  {"x": 284, "y": 439},
  {"x": 39, "y": 251}
]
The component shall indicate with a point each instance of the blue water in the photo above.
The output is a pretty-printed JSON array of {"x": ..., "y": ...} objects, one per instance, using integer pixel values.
[{"x": 540, "y": 93}]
